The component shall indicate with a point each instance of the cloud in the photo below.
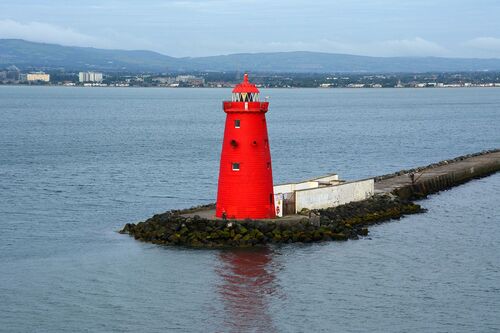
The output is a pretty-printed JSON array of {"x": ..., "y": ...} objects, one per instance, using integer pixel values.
[
  {"x": 196, "y": 4},
  {"x": 490, "y": 44},
  {"x": 415, "y": 46},
  {"x": 48, "y": 33},
  {"x": 407, "y": 47}
]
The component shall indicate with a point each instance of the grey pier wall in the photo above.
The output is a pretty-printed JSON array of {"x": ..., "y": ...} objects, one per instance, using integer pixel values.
[{"x": 440, "y": 176}]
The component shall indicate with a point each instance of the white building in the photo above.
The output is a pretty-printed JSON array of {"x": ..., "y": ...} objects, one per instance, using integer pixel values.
[
  {"x": 322, "y": 192},
  {"x": 89, "y": 77},
  {"x": 185, "y": 78},
  {"x": 37, "y": 76},
  {"x": 164, "y": 80},
  {"x": 190, "y": 79}
]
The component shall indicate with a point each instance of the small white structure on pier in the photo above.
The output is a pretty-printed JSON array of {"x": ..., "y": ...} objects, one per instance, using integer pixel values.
[{"x": 322, "y": 192}]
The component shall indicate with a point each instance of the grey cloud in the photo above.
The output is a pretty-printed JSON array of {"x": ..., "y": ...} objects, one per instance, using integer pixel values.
[{"x": 44, "y": 32}]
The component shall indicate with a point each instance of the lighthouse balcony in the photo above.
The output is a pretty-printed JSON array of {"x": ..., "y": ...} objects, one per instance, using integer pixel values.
[{"x": 232, "y": 106}]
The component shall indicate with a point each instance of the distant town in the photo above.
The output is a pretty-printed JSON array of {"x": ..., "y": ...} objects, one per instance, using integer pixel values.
[{"x": 12, "y": 75}]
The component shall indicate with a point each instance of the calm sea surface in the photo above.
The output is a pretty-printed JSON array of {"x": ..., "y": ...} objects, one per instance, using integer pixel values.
[{"x": 77, "y": 164}]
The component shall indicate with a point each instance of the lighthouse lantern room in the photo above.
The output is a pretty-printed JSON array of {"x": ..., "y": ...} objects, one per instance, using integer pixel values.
[{"x": 245, "y": 187}]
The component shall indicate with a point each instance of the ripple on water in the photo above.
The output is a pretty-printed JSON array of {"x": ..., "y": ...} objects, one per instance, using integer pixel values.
[{"x": 76, "y": 164}]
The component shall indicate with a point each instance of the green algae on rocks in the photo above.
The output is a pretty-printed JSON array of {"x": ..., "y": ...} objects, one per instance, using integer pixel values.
[{"x": 344, "y": 222}]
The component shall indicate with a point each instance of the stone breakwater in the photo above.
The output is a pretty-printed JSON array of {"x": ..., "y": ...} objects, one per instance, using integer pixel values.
[
  {"x": 419, "y": 182},
  {"x": 196, "y": 228},
  {"x": 339, "y": 223},
  {"x": 434, "y": 165}
]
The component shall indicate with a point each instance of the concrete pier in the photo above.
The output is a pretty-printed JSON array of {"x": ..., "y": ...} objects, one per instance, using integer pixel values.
[
  {"x": 426, "y": 180},
  {"x": 197, "y": 226},
  {"x": 440, "y": 176}
]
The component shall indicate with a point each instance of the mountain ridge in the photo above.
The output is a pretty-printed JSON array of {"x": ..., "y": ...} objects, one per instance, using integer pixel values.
[{"x": 31, "y": 55}]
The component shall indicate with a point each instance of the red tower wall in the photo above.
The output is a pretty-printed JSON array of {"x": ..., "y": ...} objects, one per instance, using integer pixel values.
[{"x": 247, "y": 192}]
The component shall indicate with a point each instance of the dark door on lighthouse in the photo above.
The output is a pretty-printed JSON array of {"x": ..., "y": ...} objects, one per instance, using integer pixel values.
[{"x": 289, "y": 203}]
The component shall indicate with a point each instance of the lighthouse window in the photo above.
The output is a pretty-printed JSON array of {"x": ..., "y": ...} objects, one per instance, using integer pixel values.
[
  {"x": 269, "y": 165},
  {"x": 244, "y": 97},
  {"x": 236, "y": 167},
  {"x": 237, "y": 123}
]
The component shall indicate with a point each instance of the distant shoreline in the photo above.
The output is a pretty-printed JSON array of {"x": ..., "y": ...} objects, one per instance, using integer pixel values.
[{"x": 321, "y": 88}]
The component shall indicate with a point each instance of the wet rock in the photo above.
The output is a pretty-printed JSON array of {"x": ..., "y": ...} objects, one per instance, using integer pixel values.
[{"x": 338, "y": 223}]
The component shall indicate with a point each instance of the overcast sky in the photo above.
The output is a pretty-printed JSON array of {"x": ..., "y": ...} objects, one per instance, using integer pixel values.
[{"x": 455, "y": 28}]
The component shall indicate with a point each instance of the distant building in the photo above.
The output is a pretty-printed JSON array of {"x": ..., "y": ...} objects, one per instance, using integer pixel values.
[
  {"x": 164, "y": 80},
  {"x": 190, "y": 80},
  {"x": 12, "y": 73},
  {"x": 184, "y": 78},
  {"x": 37, "y": 76},
  {"x": 89, "y": 77}
]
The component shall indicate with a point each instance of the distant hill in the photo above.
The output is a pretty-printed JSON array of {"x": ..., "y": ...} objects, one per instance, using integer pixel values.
[
  {"x": 26, "y": 54},
  {"x": 318, "y": 62}
]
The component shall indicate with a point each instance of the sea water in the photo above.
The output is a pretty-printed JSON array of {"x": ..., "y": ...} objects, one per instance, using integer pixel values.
[{"x": 76, "y": 164}]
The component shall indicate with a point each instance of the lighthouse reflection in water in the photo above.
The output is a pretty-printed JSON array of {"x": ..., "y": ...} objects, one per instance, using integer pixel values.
[{"x": 247, "y": 279}]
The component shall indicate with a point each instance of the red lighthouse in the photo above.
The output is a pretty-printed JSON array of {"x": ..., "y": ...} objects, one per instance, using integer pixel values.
[{"x": 245, "y": 176}]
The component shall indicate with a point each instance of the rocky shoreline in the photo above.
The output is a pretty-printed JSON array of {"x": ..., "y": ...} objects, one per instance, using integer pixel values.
[{"x": 338, "y": 223}]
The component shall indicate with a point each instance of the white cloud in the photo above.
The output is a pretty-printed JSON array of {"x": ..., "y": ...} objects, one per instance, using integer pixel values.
[
  {"x": 407, "y": 47},
  {"x": 489, "y": 44},
  {"x": 48, "y": 33}
]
